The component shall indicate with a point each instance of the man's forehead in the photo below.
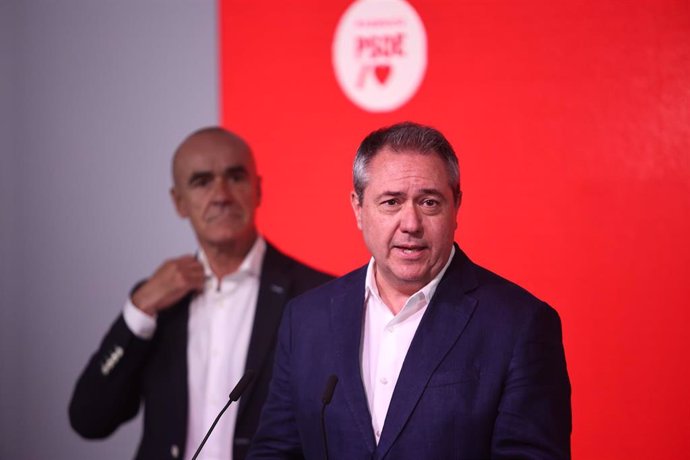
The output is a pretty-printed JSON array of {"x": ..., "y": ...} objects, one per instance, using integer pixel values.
[
  {"x": 214, "y": 159},
  {"x": 199, "y": 155},
  {"x": 388, "y": 163},
  {"x": 408, "y": 171}
]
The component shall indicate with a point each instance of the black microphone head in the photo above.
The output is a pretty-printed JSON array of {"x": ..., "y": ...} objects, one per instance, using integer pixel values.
[
  {"x": 242, "y": 385},
  {"x": 330, "y": 389}
]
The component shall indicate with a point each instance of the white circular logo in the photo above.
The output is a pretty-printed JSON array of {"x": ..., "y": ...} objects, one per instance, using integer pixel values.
[{"x": 379, "y": 53}]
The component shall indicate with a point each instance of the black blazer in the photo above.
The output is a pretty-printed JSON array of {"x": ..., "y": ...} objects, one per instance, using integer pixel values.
[{"x": 126, "y": 370}]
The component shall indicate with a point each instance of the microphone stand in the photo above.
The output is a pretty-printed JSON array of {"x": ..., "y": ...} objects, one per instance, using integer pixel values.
[
  {"x": 234, "y": 396},
  {"x": 326, "y": 400}
]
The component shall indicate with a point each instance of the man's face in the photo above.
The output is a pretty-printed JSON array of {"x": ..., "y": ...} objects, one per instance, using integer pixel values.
[
  {"x": 407, "y": 217},
  {"x": 218, "y": 189}
]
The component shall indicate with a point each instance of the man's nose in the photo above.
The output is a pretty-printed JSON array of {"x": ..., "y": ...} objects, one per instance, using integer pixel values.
[
  {"x": 410, "y": 219},
  {"x": 222, "y": 190}
]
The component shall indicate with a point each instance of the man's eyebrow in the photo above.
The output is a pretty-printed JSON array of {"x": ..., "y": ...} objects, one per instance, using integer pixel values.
[
  {"x": 196, "y": 175},
  {"x": 424, "y": 191},
  {"x": 431, "y": 191},
  {"x": 231, "y": 170},
  {"x": 236, "y": 169},
  {"x": 390, "y": 193}
]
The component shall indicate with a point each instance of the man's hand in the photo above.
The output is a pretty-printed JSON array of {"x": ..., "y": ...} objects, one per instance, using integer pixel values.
[{"x": 172, "y": 281}]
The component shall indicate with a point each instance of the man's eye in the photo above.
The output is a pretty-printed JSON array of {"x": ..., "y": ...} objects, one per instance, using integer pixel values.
[
  {"x": 391, "y": 202},
  {"x": 200, "y": 181},
  {"x": 237, "y": 176},
  {"x": 430, "y": 203}
]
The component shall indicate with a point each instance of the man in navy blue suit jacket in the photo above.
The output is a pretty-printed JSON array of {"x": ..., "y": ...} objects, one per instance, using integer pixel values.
[{"x": 435, "y": 357}]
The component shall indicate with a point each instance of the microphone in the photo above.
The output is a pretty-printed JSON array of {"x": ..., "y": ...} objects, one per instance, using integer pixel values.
[
  {"x": 235, "y": 394},
  {"x": 325, "y": 401}
]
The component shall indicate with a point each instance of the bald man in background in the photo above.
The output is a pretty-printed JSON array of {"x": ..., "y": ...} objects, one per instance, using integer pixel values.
[{"x": 188, "y": 333}]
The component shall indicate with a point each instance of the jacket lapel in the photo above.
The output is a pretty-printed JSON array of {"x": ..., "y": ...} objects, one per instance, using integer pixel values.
[
  {"x": 274, "y": 288},
  {"x": 440, "y": 328},
  {"x": 347, "y": 316}
]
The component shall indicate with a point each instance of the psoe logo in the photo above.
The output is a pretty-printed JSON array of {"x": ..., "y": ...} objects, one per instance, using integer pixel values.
[{"x": 380, "y": 53}]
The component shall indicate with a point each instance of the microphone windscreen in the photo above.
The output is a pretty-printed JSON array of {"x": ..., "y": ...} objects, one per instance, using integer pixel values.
[
  {"x": 242, "y": 385},
  {"x": 330, "y": 388}
]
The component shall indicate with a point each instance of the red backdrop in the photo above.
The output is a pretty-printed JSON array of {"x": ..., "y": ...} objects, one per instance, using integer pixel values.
[{"x": 572, "y": 125}]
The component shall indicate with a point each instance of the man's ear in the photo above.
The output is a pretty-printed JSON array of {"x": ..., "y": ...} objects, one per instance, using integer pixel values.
[
  {"x": 356, "y": 208},
  {"x": 178, "y": 202},
  {"x": 457, "y": 208}
]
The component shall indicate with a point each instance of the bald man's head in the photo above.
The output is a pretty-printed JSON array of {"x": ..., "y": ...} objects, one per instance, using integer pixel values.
[
  {"x": 216, "y": 186},
  {"x": 205, "y": 138}
]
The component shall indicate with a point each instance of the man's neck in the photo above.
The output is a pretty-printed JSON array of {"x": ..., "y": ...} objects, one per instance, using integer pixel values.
[
  {"x": 226, "y": 258},
  {"x": 394, "y": 296}
]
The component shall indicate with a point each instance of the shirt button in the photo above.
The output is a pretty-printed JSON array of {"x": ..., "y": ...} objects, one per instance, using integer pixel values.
[
  {"x": 378, "y": 434},
  {"x": 174, "y": 451},
  {"x": 384, "y": 380}
]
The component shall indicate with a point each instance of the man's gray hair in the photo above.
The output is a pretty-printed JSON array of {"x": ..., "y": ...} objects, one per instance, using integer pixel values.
[{"x": 406, "y": 136}]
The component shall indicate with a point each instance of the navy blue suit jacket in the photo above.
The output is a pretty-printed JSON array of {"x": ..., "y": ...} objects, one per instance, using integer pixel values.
[{"x": 484, "y": 377}]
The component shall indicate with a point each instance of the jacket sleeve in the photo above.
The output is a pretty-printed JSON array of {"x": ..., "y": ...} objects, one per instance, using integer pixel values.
[
  {"x": 108, "y": 391},
  {"x": 534, "y": 417}
]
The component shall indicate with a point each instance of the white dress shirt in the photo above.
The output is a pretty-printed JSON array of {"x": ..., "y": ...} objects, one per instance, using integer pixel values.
[
  {"x": 387, "y": 338},
  {"x": 219, "y": 328}
]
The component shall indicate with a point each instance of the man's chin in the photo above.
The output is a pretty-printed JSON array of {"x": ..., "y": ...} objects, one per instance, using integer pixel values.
[
  {"x": 412, "y": 278},
  {"x": 227, "y": 238}
]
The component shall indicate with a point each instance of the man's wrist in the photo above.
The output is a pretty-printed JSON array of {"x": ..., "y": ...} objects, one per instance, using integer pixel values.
[{"x": 139, "y": 322}]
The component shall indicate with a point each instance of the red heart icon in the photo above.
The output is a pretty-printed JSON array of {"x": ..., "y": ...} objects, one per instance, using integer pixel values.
[{"x": 382, "y": 73}]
